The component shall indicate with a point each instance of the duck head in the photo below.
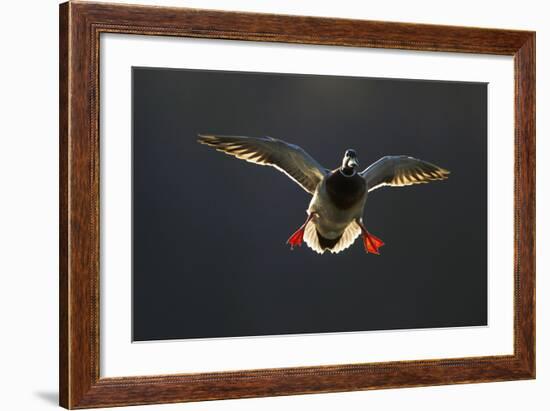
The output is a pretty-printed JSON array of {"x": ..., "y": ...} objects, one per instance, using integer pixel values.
[{"x": 349, "y": 163}]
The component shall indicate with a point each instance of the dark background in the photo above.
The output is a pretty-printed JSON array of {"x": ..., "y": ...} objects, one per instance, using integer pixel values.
[{"x": 209, "y": 231}]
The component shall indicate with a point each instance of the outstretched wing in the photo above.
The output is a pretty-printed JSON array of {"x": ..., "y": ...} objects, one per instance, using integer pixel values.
[
  {"x": 267, "y": 151},
  {"x": 399, "y": 171}
]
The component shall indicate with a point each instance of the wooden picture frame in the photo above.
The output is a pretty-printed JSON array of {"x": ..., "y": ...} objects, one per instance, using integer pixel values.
[{"x": 80, "y": 27}]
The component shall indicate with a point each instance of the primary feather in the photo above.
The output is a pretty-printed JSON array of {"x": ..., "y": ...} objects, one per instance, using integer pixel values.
[
  {"x": 399, "y": 171},
  {"x": 267, "y": 151}
]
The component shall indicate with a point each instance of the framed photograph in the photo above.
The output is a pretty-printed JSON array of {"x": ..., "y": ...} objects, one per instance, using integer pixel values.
[{"x": 258, "y": 205}]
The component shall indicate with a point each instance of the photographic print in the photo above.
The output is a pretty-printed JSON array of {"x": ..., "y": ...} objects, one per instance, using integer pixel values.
[
  {"x": 338, "y": 233},
  {"x": 257, "y": 204}
]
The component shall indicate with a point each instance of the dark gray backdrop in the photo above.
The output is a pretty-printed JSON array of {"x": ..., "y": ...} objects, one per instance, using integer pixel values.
[{"x": 209, "y": 231}]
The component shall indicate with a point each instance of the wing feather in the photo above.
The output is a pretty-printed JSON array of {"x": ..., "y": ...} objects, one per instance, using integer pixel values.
[
  {"x": 267, "y": 151},
  {"x": 400, "y": 171}
]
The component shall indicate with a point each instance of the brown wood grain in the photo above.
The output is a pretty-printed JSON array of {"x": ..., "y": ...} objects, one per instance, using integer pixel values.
[
  {"x": 80, "y": 27},
  {"x": 63, "y": 205}
]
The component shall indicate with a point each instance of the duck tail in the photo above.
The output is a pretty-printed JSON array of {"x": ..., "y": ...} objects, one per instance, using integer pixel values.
[
  {"x": 320, "y": 244},
  {"x": 327, "y": 243},
  {"x": 312, "y": 239}
]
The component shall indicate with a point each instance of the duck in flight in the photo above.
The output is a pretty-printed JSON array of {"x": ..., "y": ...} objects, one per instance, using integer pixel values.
[{"x": 335, "y": 212}]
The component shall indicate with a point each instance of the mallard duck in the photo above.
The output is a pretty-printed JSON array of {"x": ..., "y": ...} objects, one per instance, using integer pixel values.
[{"x": 335, "y": 213}]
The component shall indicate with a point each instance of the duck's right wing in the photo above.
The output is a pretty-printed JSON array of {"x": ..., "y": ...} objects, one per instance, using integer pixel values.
[
  {"x": 399, "y": 171},
  {"x": 267, "y": 151}
]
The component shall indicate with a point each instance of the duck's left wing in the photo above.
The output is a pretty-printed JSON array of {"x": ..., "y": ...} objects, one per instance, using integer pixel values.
[
  {"x": 267, "y": 151},
  {"x": 399, "y": 171}
]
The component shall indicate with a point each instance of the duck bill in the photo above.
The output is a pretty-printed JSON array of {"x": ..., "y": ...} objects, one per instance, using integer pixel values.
[{"x": 352, "y": 162}]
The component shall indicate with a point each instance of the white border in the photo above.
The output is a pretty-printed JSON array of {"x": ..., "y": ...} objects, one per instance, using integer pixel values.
[{"x": 119, "y": 357}]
